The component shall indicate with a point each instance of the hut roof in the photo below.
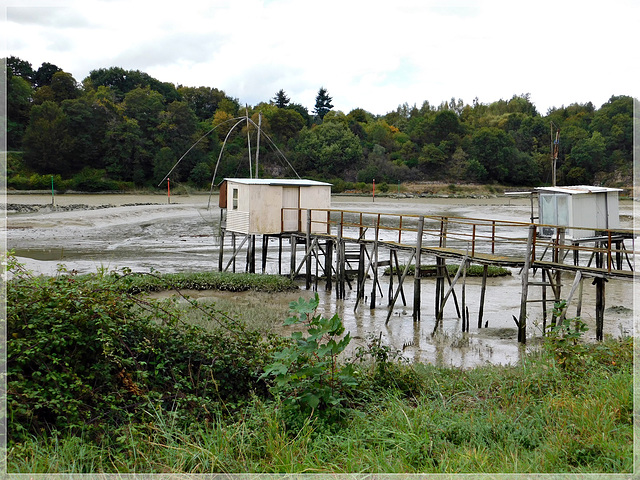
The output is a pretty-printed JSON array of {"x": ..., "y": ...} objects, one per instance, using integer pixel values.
[
  {"x": 578, "y": 189},
  {"x": 283, "y": 182}
]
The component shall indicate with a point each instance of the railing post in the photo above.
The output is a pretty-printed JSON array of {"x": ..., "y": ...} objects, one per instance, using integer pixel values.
[
  {"x": 493, "y": 236},
  {"x": 473, "y": 241}
]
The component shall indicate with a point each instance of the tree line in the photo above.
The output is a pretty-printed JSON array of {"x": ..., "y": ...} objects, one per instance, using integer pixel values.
[{"x": 125, "y": 128}]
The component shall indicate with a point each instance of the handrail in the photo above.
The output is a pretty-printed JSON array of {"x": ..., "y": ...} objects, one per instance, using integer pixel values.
[{"x": 479, "y": 235}]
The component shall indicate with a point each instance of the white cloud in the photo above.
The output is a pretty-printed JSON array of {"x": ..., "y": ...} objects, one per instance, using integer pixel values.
[{"x": 370, "y": 54}]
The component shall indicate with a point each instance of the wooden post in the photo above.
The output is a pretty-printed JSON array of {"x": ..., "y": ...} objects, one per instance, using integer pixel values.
[
  {"x": 600, "y": 304},
  {"x": 485, "y": 270},
  {"x": 416, "y": 281},
  {"x": 361, "y": 274},
  {"x": 221, "y": 255},
  {"x": 328, "y": 264},
  {"x": 233, "y": 244},
  {"x": 544, "y": 301},
  {"x": 307, "y": 275},
  {"x": 265, "y": 248},
  {"x": 522, "y": 320},
  {"x": 465, "y": 311},
  {"x": 375, "y": 265},
  {"x": 395, "y": 297},
  {"x": 292, "y": 270},
  {"x": 279, "y": 254}
]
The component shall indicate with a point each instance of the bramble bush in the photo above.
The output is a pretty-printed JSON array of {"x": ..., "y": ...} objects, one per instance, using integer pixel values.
[{"x": 84, "y": 355}]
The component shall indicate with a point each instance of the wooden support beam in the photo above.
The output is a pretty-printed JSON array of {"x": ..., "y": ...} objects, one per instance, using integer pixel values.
[
  {"x": 483, "y": 289},
  {"x": 307, "y": 257},
  {"x": 395, "y": 297},
  {"x": 328, "y": 264},
  {"x": 232, "y": 260},
  {"x": 221, "y": 254},
  {"x": 416, "y": 280},
  {"x": 292, "y": 260},
  {"x": 265, "y": 248},
  {"x": 522, "y": 319},
  {"x": 576, "y": 282},
  {"x": 439, "y": 317},
  {"x": 600, "y": 305}
]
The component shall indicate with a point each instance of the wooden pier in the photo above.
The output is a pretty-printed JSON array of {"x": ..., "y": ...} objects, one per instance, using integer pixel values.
[{"x": 354, "y": 245}]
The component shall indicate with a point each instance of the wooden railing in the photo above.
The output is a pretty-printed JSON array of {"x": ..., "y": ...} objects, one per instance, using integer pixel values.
[{"x": 478, "y": 236}]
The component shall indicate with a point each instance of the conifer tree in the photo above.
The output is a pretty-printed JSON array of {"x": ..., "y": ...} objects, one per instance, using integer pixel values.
[
  {"x": 281, "y": 100},
  {"x": 323, "y": 103}
]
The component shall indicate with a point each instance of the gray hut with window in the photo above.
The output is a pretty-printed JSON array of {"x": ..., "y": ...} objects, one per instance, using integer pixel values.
[{"x": 585, "y": 208}]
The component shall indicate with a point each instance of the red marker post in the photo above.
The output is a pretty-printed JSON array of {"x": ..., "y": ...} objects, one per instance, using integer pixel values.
[{"x": 374, "y": 189}]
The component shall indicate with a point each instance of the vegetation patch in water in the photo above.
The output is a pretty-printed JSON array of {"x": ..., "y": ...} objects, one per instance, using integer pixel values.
[{"x": 430, "y": 270}]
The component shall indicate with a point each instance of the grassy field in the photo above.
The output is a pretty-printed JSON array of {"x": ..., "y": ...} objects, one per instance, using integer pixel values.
[{"x": 161, "y": 395}]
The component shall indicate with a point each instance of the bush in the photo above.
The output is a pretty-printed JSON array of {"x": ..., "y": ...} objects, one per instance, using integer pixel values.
[{"x": 85, "y": 355}]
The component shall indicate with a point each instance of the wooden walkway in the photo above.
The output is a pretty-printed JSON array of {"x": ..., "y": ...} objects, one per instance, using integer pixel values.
[{"x": 347, "y": 246}]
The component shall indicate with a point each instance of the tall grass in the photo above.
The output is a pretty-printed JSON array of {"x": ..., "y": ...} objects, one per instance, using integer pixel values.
[{"x": 534, "y": 417}]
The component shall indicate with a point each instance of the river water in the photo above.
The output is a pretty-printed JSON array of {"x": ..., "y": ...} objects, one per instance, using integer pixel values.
[{"x": 146, "y": 233}]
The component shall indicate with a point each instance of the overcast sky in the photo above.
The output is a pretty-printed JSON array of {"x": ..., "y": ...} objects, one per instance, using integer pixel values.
[{"x": 370, "y": 54}]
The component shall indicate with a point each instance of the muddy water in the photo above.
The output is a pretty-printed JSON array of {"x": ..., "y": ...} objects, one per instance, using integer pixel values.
[{"x": 182, "y": 237}]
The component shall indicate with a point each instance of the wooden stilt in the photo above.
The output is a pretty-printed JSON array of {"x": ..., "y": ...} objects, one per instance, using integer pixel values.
[
  {"x": 265, "y": 248},
  {"x": 307, "y": 272},
  {"x": 361, "y": 274},
  {"x": 600, "y": 304},
  {"x": 328, "y": 264},
  {"x": 395, "y": 256},
  {"x": 439, "y": 316},
  {"x": 465, "y": 310},
  {"x": 576, "y": 281},
  {"x": 544, "y": 300},
  {"x": 279, "y": 254},
  {"x": 416, "y": 281},
  {"x": 395, "y": 297},
  {"x": 453, "y": 292},
  {"x": 579, "y": 303},
  {"x": 485, "y": 270},
  {"x": 233, "y": 244},
  {"x": 292, "y": 269},
  {"x": 374, "y": 255},
  {"x": 522, "y": 319},
  {"x": 221, "y": 254}
]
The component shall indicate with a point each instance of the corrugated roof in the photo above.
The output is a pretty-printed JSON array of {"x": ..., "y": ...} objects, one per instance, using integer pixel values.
[
  {"x": 284, "y": 182},
  {"x": 578, "y": 189}
]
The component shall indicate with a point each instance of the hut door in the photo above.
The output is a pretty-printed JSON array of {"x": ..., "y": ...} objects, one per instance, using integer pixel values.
[{"x": 290, "y": 199}]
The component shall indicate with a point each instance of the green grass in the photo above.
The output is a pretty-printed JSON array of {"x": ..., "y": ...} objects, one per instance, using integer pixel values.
[
  {"x": 103, "y": 381},
  {"x": 534, "y": 417}
]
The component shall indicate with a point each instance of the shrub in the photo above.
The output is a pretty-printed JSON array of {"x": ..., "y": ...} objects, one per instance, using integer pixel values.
[
  {"x": 84, "y": 354},
  {"x": 307, "y": 374}
]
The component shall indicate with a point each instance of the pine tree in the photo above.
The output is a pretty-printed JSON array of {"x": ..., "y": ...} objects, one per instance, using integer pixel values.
[
  {"x": 281, "y": 100},
  {"x": 323, "y": 103}
]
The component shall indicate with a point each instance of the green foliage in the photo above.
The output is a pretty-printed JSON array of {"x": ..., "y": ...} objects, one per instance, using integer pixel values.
[
  {"x": 430, "y": 270},
  {"x": 223, "y": 281},
  {"x": 121, "y": 120},
  {"x": 564, "y": 338},
  {"x": 307, "y": 374},
  {"x": 84, "y": 355}
]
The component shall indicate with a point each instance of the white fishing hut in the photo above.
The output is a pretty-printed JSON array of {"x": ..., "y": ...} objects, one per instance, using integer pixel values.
[
  {"x": 581, "y": 206},
  {"x": 269, "y": 206}
]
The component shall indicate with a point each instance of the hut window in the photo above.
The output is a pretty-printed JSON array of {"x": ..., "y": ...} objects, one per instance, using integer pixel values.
[{"x": 235, "y": 198}]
